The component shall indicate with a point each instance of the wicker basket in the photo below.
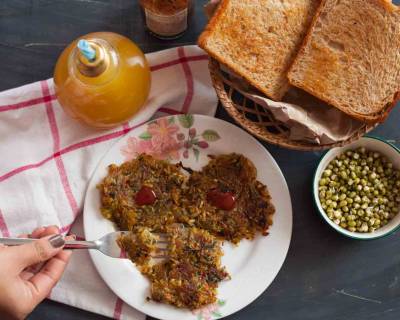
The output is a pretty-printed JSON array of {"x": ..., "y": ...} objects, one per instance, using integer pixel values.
[{"x": 260, "y": 122}]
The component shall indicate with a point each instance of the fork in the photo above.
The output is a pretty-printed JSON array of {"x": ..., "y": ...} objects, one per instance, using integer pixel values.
[{"x": 107, "y": 245}]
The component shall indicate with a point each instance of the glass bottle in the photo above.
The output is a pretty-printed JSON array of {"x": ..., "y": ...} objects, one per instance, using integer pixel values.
[
  {"x": 107, "y": 89},
  {"x": 167, "y": 19}
]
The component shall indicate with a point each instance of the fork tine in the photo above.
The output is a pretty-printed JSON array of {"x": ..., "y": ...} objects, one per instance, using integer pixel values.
[
  {"x": 162, "y": 242},
  {"x": 159, "y": 233}
]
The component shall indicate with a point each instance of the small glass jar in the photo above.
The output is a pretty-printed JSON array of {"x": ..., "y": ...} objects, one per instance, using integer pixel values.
[{"x": 167, "y": 19}]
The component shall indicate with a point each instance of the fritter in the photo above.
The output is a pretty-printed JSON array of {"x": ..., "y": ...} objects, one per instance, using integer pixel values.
[
  {"x": 226, "y": 199},
  {"x": 189, "y": 276},
  {"x": 120, "y": 189},
  {"x": 139, "y": 246},
  {"x": 223, "y": 201}
]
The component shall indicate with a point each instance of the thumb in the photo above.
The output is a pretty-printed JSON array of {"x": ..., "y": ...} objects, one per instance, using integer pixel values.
[{"x": 36, "y": 252}]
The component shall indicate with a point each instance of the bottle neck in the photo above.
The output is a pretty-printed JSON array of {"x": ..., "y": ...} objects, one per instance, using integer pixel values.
[
  {"x": 99, "y": 70},
  {"x": 95, "y": 67}
]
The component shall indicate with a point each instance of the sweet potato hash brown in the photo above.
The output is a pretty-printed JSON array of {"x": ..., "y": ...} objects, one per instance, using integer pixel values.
[
  {"x": 234, "y": 175},
  {"x": 139, "y": 246},
  {"x": 123, "y": 183},
  {"x": 189, "y": 277},
  {"x": 223, "y": 201}
]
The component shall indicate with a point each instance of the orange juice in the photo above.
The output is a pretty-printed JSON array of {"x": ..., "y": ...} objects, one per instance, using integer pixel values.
[{"x": 107, "y": 90}]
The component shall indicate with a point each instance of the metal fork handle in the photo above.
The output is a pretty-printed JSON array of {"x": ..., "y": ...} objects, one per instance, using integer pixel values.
[
  {"x": 69, "y": 244},
  {"x": 74, "y": 244}
]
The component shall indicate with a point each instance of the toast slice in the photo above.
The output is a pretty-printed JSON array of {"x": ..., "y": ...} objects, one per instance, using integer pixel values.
[
  {"x": 351, "y": 57},
  {"x": 259, "y": 39}
]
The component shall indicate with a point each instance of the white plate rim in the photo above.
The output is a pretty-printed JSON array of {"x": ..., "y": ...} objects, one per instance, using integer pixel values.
[{"x": 97, "y": 257}]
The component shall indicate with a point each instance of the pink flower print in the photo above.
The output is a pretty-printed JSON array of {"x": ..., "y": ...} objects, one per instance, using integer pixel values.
[
  {"x": 164, "y": 139},
  {"x": 164, "y": 143},
  {"x": 203, "y": 144},
  {"x": 162, "y": 133},
  {"x": 209, "y": 312},
  {"x": 136, "y": 146},
  {"x": 158, "y": 141},
  {"x": 170, "y": 151}
]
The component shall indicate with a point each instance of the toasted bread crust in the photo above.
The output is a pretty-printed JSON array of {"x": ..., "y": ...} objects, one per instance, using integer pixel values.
[
  {"x": 377, "y": 117},
  {"x": 202, "y": 42},
  {"x": 277, "y": 84},
  {"x": 307, "y": 37}
]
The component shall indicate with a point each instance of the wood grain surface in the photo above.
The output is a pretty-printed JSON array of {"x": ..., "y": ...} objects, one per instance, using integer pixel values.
[{"x": 325, "y": 276}]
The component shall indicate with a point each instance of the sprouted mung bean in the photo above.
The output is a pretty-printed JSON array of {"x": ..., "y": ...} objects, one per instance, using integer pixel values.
[{"x": 359, "y": 190}]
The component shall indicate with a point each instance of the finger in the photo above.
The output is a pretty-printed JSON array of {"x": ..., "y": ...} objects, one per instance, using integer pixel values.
[
  {"x": 45, "y": 231},
  {"x": 35, "y": 268},
  {"x": 26, "y": 275},
  {"x": 42, "y": 282},
  {"x": 33, "y": 234},
  {"x": 64, "y": 255},
  {"x": 29, "y": 272},
  {"x": 51, "y": 230},
  {"x": 35, "y": 252},
  {"x": 37, "y": 232},
  {"x": 32, "y": 270},
  {"x": 71, "y": 236},
  {"x": 40, "y": 232}
]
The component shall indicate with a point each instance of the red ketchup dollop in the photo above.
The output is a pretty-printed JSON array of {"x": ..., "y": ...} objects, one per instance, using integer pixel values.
[
  {"x": 145, "y": 196},
  {"x": 221, "y": 200}
]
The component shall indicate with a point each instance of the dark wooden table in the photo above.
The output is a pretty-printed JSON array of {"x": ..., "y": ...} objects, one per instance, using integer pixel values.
[{"x": 325, "y": 276}]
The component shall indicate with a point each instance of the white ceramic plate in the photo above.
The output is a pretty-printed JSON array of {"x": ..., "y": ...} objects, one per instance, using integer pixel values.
[{"x": 253, "y": 265}]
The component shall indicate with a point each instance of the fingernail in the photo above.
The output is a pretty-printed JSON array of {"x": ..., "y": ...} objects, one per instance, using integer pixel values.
[{"x": 56, "y": 241}]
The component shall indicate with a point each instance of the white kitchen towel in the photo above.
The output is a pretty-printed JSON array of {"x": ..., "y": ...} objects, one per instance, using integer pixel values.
[{"x": 47, "y": 159}]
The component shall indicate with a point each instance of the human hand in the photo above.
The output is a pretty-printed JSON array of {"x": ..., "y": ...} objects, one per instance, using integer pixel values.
[{"x": 29, "y": 272}]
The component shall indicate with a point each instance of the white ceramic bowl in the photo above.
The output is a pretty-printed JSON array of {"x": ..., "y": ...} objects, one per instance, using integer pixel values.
[{"x": 370, "y": 143}]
